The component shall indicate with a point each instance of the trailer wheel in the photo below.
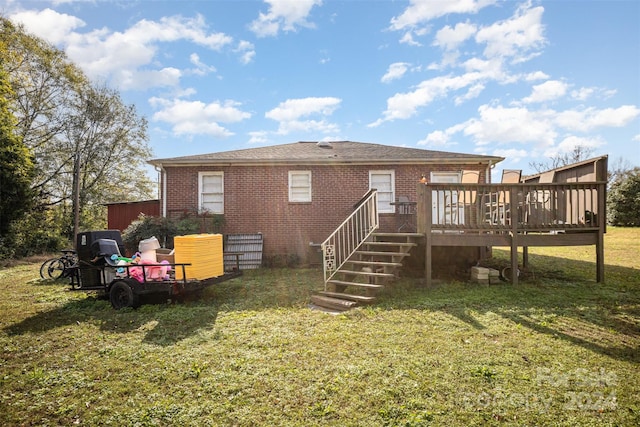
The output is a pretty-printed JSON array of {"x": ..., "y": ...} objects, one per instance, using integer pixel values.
[{"x": 121, "y": 295}]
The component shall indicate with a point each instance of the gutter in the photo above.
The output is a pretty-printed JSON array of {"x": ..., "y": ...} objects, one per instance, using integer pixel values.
[{"x": 327, "y": 162}]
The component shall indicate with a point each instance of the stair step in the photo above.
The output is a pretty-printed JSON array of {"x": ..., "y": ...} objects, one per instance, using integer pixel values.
[
  {"x": 351, "y": 297},
  {"x": 366, "y": 273},
  {"x": 333, "y": 303},
  {"x": 359, "y": 285},
  {"x": 403, "y": 244},
  {"x": 382, "y": 253},
  {"x": 376, "y": 263},
  {"x": 417, "y": 235}
]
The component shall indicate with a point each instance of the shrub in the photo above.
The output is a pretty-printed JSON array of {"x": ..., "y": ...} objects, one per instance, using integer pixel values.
[
  {"x": 28, "y": 236},
  {"x": 200, "y": 222},
  {"x": 163, "y": 229},
  {"x": 623, "y": 200}
]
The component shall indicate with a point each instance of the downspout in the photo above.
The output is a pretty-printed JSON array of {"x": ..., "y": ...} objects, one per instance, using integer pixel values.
[
  {"x": 487, "y": 175},
  {"x": 163, "y": 190}
]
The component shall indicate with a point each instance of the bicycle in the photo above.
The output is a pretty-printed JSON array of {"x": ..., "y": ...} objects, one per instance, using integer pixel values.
[{"x": 55, "y": 268}]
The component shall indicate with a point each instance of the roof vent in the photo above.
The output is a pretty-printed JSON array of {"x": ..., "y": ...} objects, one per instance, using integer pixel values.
[{"x": 324, "y": 144}]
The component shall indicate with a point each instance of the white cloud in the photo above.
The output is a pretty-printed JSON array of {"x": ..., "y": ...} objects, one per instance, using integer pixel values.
[
  {"x": 307, "y": 126},
  {"x": 543, "y": 131},
  {"x": 449, "y": 59},
  {"x": 583, "y": 93},
  {"x": 497, "y": 124},
  {"x": 450, "y": 38},
  {"x": 196, "y": 117},
  {"x": 48, "y": 24},
  {"x": 507, "y": 41},
  {"x": 519, "y": 37},
  {"x": 490, "y": 69},
  {"x": 292, "y": 109},
  {"x": 547, "y": 91},
  {"x": 201, "y": 68},
  {"x": 407, "y": 38},
  {"x": 121, "y": 57},
  {"x": 568, "y": 144},
  {"x": 325, "y": 56},
  {"x": 259, "y": 137},
  {"x": 283, "y": 15},
  {"x": 536, "y": 75},
  {"x": 405, "y": 105},
  {"x": 473, "y": 92},
  {"x": 436, "y": 138},
  {"x": 145, "y": 79},
  {"x": 588, "y": 119},
  {"x": 395, "y": 71},
  {"x": 290, "y": 112},
  {"x": 174, "y": 28},
  {"x": 246, "y": 50},
  {"x": 421, "y": 11}
]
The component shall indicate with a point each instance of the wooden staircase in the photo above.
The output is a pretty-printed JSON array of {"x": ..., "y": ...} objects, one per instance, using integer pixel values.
[{"x": 376, "y": 263}]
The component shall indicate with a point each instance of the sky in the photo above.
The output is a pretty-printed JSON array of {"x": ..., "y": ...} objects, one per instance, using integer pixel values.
[{"x": 524, "y": 80}]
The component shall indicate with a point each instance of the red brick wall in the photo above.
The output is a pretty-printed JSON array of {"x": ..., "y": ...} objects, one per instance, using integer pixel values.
[{"x": 256, "y": 200}]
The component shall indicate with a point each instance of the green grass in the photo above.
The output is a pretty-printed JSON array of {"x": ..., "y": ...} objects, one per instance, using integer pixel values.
[{"x": 557, "y": 349}]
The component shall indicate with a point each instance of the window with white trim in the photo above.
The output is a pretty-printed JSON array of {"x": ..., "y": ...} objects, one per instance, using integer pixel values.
[
  {"x": 385, "y": 183},
  {"x": 211, "y": 192},
  {"x": 299, "y": 186}
]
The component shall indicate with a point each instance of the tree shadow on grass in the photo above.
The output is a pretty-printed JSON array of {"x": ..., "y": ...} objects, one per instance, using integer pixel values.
[
  {"x": 555, "y": 297},
  {"x": 163, "y": 324},
  {"x": 464, "y": 314}
]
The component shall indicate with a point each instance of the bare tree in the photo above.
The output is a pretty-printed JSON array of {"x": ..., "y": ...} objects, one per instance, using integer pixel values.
[
  {"x": 106, "y": 140},
  {"x": 620, "y": 169},
  {"x": 579, "y": 153}
]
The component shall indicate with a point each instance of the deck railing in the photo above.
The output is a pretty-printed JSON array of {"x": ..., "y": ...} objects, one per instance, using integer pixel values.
[
  {"x": 511, "y": 207},
  {"x": 350, "y": 235}
]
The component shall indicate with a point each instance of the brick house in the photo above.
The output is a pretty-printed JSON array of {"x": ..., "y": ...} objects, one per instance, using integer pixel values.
[{"x": 296, "y": 194}]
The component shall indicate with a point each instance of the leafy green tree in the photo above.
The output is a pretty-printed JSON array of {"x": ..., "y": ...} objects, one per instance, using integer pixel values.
[
  {"x": 623, "y": 200},
  {"x": 43, "y": 83},
  {"x": 89, "y": 147},
  {"x": 16, "y": 166}
]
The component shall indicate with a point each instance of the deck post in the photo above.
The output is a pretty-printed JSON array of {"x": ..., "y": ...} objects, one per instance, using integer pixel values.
[
  {"x": 602, "y": 218},
  {"x": 425, "y": 219},
  {"x": 514, "y": 238},
  {"x": 600, "y": 257}
]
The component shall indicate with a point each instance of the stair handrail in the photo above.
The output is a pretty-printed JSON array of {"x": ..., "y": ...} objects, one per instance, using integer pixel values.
[{"x": 350, "y": 235}]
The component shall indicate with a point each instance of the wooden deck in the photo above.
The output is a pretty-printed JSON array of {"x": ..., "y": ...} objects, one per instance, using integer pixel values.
[{"x": 513, "y": 215}]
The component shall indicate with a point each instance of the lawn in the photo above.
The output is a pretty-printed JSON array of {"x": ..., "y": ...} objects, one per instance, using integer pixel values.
[{"x": 557, "y": 349}]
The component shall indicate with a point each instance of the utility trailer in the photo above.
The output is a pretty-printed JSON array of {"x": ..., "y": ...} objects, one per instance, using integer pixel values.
[{"x": 97, "y": 269}]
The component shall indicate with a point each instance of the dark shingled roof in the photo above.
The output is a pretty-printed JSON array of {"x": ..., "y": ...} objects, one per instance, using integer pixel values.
[{"x": 334, "y": 152}]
